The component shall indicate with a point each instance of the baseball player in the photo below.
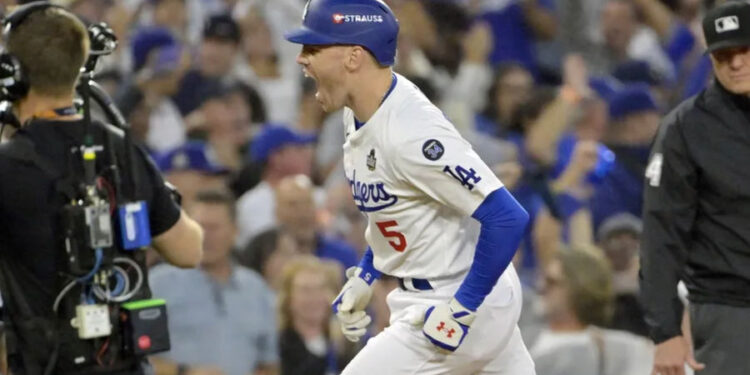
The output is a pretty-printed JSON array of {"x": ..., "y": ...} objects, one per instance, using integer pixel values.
[{"x": 439, "y": 220}]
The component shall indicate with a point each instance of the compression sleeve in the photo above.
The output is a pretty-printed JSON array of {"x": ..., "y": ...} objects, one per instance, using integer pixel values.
[
  {"x": 368, "y": 273},
  {"x": 503, "y": 223}
]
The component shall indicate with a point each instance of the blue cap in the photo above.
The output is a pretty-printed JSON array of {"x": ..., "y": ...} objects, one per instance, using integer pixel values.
[
  {"x": 605, "y": 87},
  {"x": 631, "y": 99},
  {"x": 149, "y": 39},
  {"x": 637, "y": 71},
  {"x": 367, "y": 23},
  {"x": 191, "y": 156},
  {"x": 273, "y": 137}
]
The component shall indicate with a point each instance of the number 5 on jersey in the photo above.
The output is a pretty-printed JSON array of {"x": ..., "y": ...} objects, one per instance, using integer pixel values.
[{"x": 399, "y": 241}]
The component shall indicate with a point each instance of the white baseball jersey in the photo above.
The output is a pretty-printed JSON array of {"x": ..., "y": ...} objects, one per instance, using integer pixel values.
[{"x": 418, "y": 181}]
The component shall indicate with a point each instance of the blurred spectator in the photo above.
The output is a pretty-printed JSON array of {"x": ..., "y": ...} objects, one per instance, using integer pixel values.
[
  {"x": 565, "y": 217},
  {"x": 609, "y": 33},
  {"x": 592, "y": 120},
  {"x": 442, "y": 45},
  {"x": 635, "y": 119},
  {"x": 225, "y": 123},
  {"x": 268, "y": 253},
  {"x": 577, "y": 290},
  {"x": 677, "y": 23},
  {"x": 500, "y": 155},
  {"x": 539, "y": 124},
  {"x": 516, "y": 26},
  {"x": 282, "y": 152},
  {"x": 221, "y": 316},
  {"x": 511, "y": 86},
  {"x": 263, "y": 70},
  {"x": 526, "y": 191},
  {"x": 159, "y": 63},
  {"x": 307, "y": 337},
  {"x": 620, "y": 237},
  {"x": 217, "y": 54},
  {"x": 547, "y": 124},
  {"x": 170, "y": 14},
  {"x": 249, "y": 113},
  {"x": 295, "y": 215},
  {"x": 626, "y": 39},
  {"x": 281, "y": 16},
  {"x": 192, "y": 168},
  {"x": 90, "y": 11},
  {"x": 341, "y": 218}
]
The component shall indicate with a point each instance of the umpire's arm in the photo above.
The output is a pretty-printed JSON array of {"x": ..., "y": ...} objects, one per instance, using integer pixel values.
[{"x": 670, "y": 200}]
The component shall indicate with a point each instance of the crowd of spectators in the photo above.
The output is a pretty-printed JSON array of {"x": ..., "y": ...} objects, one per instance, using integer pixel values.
[{"x": 561, "y": 98}]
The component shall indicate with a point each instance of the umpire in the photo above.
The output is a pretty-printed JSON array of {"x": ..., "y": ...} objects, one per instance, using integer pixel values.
[
  {"x": 48, "y": 46},
  {"x": 697, "y": 213}
]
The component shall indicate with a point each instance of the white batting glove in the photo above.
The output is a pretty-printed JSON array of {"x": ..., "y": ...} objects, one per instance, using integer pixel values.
[
  {"x": 350, "y": 305},
  {"x": 446, "y": 325}
]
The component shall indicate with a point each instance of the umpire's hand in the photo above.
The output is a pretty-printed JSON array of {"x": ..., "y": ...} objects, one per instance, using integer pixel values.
[{"x": 671, "y": 355}]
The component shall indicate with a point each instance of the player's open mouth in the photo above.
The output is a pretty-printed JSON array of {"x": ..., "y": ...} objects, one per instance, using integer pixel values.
[{"x": 307, "y": 74}]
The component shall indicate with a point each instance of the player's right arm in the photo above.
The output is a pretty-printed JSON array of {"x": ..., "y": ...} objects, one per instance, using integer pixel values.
[{"x": 670, "y": 202}]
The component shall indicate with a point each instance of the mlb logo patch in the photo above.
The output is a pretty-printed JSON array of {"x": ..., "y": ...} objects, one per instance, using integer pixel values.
[
  {"x": 338, "y": 18},
  {"x": 728, "y": 23}
]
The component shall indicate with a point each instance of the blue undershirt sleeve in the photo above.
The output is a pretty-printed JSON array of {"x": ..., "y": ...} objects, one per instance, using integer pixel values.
[
  {"x": 503, "y": 223},
  {"x": 369, "y": 273}
]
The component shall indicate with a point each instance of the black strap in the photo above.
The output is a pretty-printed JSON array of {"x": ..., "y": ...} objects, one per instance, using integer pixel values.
[
  {"x": 22, "y": 148},
  {"x": 19, "y": 316}
]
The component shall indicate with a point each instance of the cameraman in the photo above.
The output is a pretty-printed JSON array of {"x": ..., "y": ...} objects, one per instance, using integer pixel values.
[{"x": 51, "y": 46}]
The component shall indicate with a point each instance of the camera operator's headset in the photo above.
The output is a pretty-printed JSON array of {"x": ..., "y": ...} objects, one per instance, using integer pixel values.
[{"x": 13, "y": 80}]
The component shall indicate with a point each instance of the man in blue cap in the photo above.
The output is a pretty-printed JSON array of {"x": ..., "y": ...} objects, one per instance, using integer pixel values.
[
  {"x": 192, "y": 168},
  {"x": 217, "y": 55},
  {"x": 634, "y": 117},
  {"x": 281, "y": 152},
  {"x": 418, "y": 182},
  {"x": 696, "y": 215}
]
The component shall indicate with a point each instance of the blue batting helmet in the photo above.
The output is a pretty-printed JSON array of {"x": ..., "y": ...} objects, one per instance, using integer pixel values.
[{"x": 367, "y": 23}]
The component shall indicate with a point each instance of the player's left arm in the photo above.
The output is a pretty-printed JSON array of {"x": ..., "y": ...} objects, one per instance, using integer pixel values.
[{"x": 444, "y": 166}]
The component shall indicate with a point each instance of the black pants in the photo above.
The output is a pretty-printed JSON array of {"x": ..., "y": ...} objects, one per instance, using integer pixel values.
[{"x": 721, "y": 338}]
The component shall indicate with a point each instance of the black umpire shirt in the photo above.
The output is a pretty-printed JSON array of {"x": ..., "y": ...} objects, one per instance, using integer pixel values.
[
  {"x": 697, "y": 209},
  {"x": 30, "y": 204}
]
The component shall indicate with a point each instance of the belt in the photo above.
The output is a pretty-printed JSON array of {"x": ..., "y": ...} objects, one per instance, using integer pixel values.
[{"x": 413, "y": 285}]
